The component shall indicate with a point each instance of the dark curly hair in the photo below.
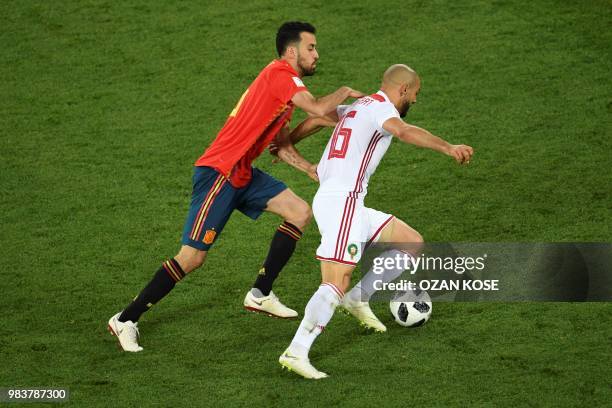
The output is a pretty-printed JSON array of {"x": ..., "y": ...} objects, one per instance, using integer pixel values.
[{"x": 289, "y": 33}]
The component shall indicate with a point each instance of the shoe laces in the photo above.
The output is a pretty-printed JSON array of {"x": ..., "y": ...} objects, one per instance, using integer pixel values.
[
  {"x": 273, "y": 297},
  {"x": 359, "y": 304},
  {"x": 132, "y": 332}
]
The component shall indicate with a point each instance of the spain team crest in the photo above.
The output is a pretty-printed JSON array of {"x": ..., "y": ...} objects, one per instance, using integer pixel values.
[{"x": 209, "y": 237}]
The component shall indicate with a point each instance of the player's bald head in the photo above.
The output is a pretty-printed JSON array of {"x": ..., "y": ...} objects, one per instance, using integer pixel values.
[
  {"x": 402, "y": 85},
  {"x": 398, "y": 75}
]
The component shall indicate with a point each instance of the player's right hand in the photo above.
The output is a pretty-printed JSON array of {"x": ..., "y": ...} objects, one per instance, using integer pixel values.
[{"x": 461, "y": 153}]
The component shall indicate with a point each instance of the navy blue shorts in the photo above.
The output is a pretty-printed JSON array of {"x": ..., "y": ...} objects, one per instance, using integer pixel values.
[{"x": 213, "y": 199}]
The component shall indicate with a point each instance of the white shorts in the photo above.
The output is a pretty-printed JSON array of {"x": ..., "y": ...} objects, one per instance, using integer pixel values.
[{"x": 346, "y": 227}]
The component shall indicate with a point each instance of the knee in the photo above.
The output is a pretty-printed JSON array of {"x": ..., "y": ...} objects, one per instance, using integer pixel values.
[
  {"x": 344, "y": 286},
  {"x": 416, "y": 241},
  {"x": 417, "y": 238},
  {"x": 307, "y": 215},
  {"x": 301, "y": 215},
  {"x": 411, "y": 239},
  {"x": 341, "y": 280},
  {"x": 195, "y": 262},
  {"x": 341, "y": 284},
  {"x": 190, "y": 260}
]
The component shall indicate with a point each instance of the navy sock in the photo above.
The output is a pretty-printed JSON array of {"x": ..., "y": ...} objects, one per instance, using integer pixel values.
[
  {"x": 162, "y": 283},
  {"x": 281, "y": 248}
]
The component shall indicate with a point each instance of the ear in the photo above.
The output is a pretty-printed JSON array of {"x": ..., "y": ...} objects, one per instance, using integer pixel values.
[{"x": 403, "y": 89}]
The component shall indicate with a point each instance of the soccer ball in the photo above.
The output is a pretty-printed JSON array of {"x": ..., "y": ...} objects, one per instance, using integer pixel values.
[{"x": 411, "y": 309}]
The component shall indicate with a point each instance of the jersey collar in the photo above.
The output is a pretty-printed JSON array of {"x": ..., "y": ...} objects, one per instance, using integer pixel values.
[
  {"x": 285, "y": 64},
  {"x": 384, "y": 95}
]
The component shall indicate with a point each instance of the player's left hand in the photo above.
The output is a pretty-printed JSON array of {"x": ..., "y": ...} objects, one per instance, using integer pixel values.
[{"x": 461, "y": 153}]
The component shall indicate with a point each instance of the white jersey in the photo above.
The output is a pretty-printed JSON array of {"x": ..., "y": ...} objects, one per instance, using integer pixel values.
[{"x": 356, "y": 146}]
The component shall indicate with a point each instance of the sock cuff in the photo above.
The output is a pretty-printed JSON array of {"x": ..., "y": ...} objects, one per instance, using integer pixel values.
[
  {"x": 174, "y": 270},
  {"x": 291, "y": 230},
  {"x": 333, "y": 287}
]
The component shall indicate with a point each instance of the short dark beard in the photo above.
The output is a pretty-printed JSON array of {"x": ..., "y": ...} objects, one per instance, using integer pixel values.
[{"x": 306, "y": 71}]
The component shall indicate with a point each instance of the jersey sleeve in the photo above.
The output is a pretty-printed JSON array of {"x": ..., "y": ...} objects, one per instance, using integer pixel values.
[
  {"x": 284, "y": 85},
  {"x": 384, "y": 111}
]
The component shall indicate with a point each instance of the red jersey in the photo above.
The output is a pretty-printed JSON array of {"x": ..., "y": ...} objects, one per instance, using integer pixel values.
[{"x": 261, "y": 112}]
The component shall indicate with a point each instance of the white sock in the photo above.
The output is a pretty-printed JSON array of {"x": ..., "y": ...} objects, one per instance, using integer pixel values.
[
  {"x": 318, "y": 313},
  {"x": 365, "y": 288}
]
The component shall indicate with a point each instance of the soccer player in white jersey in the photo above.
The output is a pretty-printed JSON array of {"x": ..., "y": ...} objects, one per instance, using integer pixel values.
[{"x": 359, "y": 141}]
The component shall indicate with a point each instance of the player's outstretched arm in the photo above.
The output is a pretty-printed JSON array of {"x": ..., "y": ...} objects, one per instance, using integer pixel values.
[
  {"x": 307, "y": 127},
  {"x": 285, "y": 149},
  {"x": 420, "y": 137},
  {"x": 310, "y": 126},
  {"x": 326, "y": 104}
]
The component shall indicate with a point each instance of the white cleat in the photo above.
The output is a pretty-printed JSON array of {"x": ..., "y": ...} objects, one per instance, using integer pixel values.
[
  {"x": 269, "y": 305},
  {"x": 363, "y": 313},
  {"x": 300, "y": 365},
  {"x": 127, "y": 333}
]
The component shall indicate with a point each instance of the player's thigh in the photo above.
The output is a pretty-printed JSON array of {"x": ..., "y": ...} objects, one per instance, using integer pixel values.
[
  {"x": 343, "y": 227},
  {"x": 337, "y": 274},
  {"x": 212, "y": 203},
  {"x": 190, "y": 258},
  {"x": 265, "y": 193},
  {"x": 290, "y": 207},
  {"x": 397, "y": 231}
]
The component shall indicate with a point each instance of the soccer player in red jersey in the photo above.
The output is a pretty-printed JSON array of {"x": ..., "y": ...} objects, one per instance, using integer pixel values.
[{"x": 224, "y": 180}]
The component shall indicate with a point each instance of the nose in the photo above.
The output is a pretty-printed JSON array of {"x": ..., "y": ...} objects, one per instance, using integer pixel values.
[{"x": 316, "y": 55}]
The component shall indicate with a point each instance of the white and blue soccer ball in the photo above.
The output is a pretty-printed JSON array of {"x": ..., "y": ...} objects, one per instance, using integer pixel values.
[{"x": 411, "y": 309}]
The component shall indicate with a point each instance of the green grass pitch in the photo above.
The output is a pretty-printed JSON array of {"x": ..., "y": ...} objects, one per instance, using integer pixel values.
[{"x": 105, "y": 106}]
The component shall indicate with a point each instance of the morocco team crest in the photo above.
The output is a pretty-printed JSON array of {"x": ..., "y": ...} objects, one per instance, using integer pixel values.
[{"x": 352, "y": 250}]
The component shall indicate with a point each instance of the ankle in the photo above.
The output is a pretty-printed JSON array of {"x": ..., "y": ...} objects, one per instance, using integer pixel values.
[{"x": 298, "y": 350}]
